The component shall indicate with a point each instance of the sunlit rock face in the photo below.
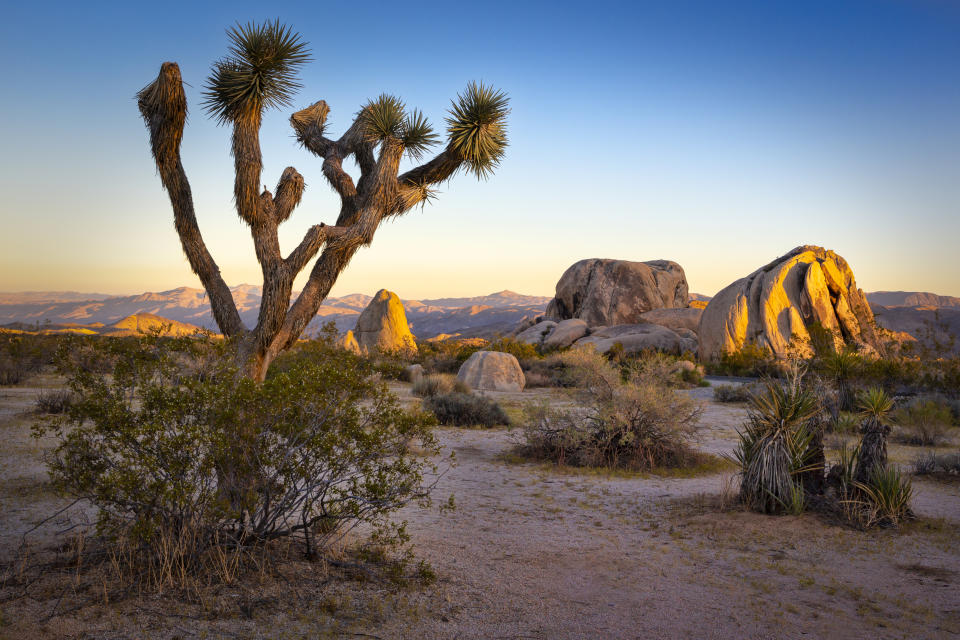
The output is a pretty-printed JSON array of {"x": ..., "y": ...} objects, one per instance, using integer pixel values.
[
  {"x": 776, "y": 306},
  {"x": 382, "y": 326},
  {"x": 612, "y": 292}
]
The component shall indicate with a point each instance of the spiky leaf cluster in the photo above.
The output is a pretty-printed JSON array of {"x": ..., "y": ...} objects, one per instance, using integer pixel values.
[
  {"x": 386, "y": 117},
  {"x": 259, "y": 73},
  {"x": 477, "y": 127}
]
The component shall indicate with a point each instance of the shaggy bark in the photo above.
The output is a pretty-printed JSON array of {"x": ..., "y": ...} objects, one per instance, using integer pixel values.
[
  {"x": 378, "y": 194},
  {"x": 873, "y": 450}
]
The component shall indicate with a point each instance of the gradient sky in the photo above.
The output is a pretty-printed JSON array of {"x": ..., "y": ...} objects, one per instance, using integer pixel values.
[{"x": 716, "y": 134}]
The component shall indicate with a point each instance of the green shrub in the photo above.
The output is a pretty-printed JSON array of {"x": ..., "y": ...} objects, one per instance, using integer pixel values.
[
  {"x": 438, "y": 384},
  {"x": 465, "y": 410},
  {"x": 639, "y": 423},
  {"x": 176, "y": 446},
  {"x": 519, "y": 350},
  {"x": 842, "y": 371},
  {"x": 447, "y": 356},
  {"x": 549, "y": 371},
  {"x": 750, "y": 360},
  {"x": 925, "y": 421}
]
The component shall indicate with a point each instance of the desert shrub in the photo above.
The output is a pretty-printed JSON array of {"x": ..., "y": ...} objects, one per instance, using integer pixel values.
[
  {"x": 169, "y": 449},
  {"x": 21, "y": 356},
  {"x": 926, "y": 421},
  {"x": 736, "y": 392},
  {"x": 777, "y": 446},
  {"x": 931, "y": 463},
  {"x": 54, "y": 401},
  {"x": 750, "y": 360},
  {"x": 465, "y": 410},
  {"x": 391, "y": 367},
  {"x": 447, "y": 356},
  {"x": 519, "y": 350},
  {"x": 639, "y": 423},
  {"x": 549, "y": 371},
  {"x": 10, "y": 373},
  {"x": 438, "y": 384}
]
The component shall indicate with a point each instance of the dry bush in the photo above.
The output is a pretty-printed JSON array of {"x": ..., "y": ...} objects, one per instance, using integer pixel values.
[
  {"x": 639, "y": 423},
  {"x": 465, "y": 410},
  {"x": 736, "y": 392},
  {"x": 937, "y": 463},
  {"x": 925, "y": 421},
  {"x": 54, "y": 401},
  {"x": 437, "y": 384}
]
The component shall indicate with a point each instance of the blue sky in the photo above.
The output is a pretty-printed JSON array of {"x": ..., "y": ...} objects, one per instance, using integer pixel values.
[{"x": 718, "y": 135}]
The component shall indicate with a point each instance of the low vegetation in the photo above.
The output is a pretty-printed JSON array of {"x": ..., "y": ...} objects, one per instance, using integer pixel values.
[
  {"x": 438, "y": 384},
  {"x": 631, "y": 419},
  {"x": 926, "y": 421},
  {"x": 460, "y": 409},
  {"x": 781, "y": 457},
  {"x": 187, "y": 461}
]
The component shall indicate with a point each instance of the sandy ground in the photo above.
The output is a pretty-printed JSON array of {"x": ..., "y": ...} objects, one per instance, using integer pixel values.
[{"x": 536, "y": 552}]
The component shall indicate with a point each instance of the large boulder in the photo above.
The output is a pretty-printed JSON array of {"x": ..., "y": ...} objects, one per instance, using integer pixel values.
[
  {"x": 616, "y": 292},
  {"x": 492, "y": 371},
  {"x": 674, "y": 319},
  {"x": 640, "y": 337},
  {"x": 776, "y": 306},
  {"x": 534, "y": 335},
  {"x": 382, "y": 326},
  {"x": 565, "y": 334},
  {"x": 554, "y": 335}
]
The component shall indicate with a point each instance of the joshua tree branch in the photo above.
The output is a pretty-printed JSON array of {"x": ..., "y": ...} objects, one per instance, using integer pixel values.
[
  {"x": 289, "y": 192},
  {"x": 164, "y": 108}
]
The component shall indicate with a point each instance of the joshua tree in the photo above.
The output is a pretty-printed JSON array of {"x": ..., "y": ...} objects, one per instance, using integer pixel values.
[
  {"x": 874, "y": 406},
  {"x": 260, "y": 73}
]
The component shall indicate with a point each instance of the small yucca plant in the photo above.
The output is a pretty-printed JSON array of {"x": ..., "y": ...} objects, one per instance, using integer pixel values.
[
  {"x": 874, "y": 405},
  {"x": 776, "y": 447},
  {"x": 887, "y": 497},
  {"x": 841, "y": 368}
]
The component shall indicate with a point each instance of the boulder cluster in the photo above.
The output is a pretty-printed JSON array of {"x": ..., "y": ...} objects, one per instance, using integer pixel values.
[
  {"x": 638, "y": 305},
  {"x": 646, "y": 305}
]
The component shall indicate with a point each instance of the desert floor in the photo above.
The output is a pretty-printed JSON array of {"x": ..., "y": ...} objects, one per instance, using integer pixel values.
[{"x": 532, "y": 551}]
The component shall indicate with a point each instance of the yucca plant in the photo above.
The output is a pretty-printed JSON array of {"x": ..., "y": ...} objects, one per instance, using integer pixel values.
[
  {"x": 776, "y": 446},
  {"x": 874, "y": 405},
  {"x": 841, "y": 369},
  {"x": 887, "y": 497},
  {"x": 260, "y": 73}
]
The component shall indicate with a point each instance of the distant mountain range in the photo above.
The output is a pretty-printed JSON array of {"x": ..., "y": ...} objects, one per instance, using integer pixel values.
[
  {"x": 911, "y": 299},
  {"x": 475, "y": 316},
  {"x": 924, "y": 315}
]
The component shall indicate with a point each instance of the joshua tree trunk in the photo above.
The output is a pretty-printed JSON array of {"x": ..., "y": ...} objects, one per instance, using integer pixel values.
[
  {"x": 260, "y": 74},
  {"x": 873, "y": 449}
]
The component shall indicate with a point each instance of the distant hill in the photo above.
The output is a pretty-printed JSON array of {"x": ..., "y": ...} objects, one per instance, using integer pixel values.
[
  {"x": 145, "y": 323},
  {"x": 73, "y": 312},
  {"x": 911, "y": 299}
]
